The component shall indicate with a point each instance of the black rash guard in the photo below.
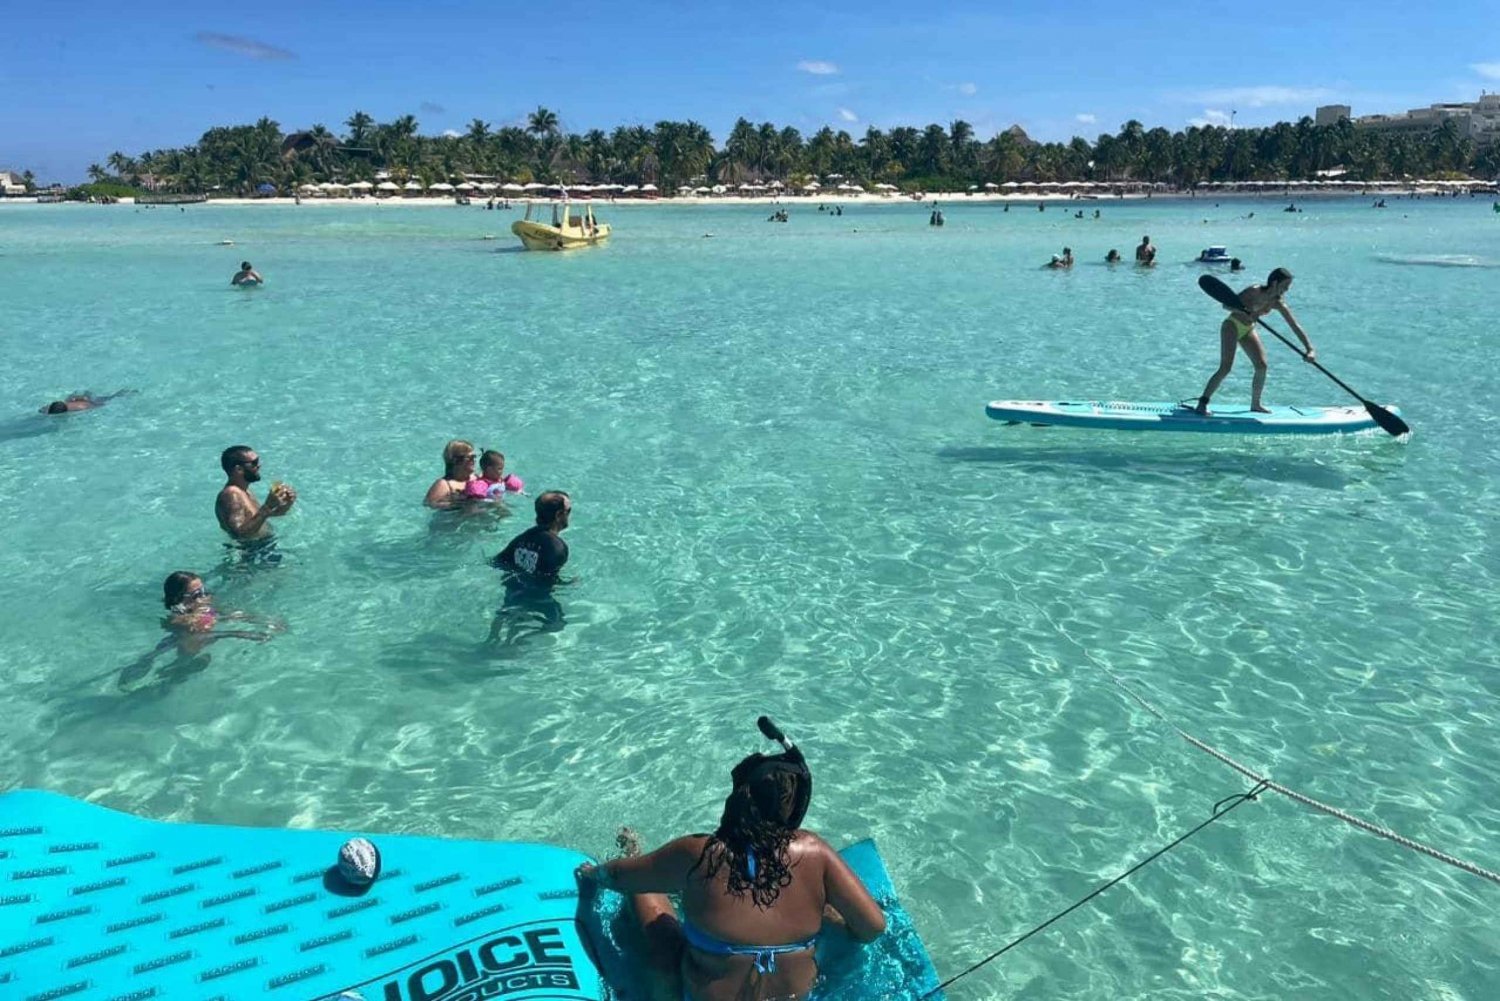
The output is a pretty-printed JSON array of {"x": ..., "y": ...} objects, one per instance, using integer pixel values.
[{"x": 534, "y": 557}]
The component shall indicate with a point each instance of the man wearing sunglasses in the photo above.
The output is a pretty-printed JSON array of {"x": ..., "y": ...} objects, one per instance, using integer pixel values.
[{"x": 240, "y": 514}]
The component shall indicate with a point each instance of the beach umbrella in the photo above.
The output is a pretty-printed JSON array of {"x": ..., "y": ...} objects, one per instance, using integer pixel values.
[
  {"x": 648, "y": 187},
  {"x": 811, "y": 186},
  {"x": 1010, "y": 184},
  {"x": 441, "y": 186},
  {"x": 412, "y": 186},
  {"x": 990, "y": 185},
  {"x": 388, "y": 186},
  {"x": 361, "y": 186},
  {"x": 487, "y": 185},
  {"x": 776, "y": 184},
  {"x": 533, "y": 186},
  {"x": 467, "y": 186},
  {"x": 629, "y": 188}
]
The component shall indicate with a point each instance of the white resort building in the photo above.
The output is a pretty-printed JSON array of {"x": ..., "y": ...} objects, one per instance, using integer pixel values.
[{"x": 1478, "y": 120}]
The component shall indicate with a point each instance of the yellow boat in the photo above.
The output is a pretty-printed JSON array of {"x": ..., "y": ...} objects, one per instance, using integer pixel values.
[{"x": 570, "y": 229}]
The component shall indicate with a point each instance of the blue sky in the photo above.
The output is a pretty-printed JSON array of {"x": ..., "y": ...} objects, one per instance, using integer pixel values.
[{"x": 79, "y": 80}]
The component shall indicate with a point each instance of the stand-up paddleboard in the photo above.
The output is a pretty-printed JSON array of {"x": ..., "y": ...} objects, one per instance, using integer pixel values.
[
  {"x": 1225, "y": 418},
  {"x": 99, "y": 904}
]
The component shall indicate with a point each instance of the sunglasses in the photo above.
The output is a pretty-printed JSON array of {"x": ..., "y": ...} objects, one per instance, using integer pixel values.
[
  {"x": 251, "y": 463},
  {"x": 194, "y": 594}
]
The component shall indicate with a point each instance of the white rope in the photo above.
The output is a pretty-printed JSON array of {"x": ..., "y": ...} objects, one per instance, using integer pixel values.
[{"x": 1302, "y": 798}]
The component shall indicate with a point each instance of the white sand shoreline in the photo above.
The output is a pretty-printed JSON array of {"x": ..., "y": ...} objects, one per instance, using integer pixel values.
[{"x": 1426, "y": 189}]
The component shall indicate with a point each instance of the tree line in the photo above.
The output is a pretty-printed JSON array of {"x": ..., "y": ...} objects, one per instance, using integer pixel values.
[{"x": 240, "y": 159}]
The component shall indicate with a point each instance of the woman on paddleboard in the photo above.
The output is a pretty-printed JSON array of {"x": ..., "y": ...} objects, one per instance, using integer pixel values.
[
  {"x": 755, "y": 893},
  {"x": 1238, "y": 329}
]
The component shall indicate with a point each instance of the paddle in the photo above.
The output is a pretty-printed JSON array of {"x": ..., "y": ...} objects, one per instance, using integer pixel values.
[{"x": 1228, "y": 298}]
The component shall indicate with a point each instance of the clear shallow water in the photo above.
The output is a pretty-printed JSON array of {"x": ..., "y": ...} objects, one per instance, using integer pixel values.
[{"x": 788, "y": 500}]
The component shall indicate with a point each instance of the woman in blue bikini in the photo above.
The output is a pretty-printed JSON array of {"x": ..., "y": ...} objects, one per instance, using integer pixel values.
[{"x": 755, "y": 893}]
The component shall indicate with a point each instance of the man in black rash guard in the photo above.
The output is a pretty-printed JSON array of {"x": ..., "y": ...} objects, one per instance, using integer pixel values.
[{"x": 533, "y": 563}]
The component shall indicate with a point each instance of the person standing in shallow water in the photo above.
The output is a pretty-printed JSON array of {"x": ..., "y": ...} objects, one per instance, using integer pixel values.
[
  {"x": 1238, "y": 329},
  {"x": 247, "y": 276},
  {"x": 239, "y": 513},
  {"x": 533, "y": 563}
]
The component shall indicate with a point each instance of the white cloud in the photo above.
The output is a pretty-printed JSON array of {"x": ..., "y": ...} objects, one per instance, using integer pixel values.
[
  {"x": 243, "y": 46},
  {"x": 1086, "y": 119},
  {"x": 1490, "y": 71},
  {"x": 968, "y": 89},
  {"x": 1260, "y": 97},
  {"x": 452, "y": 133},
  {"x": 1212, "y": 117},
  {"x": 848, "y": 115},
  {"x": 817, "y": 67}
]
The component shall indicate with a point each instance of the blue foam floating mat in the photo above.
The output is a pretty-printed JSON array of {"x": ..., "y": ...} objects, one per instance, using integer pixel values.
[{"x": 100, "y": 904}]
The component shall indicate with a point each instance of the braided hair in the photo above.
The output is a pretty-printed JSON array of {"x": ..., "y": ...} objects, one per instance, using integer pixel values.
[{"x": 755, "y": 832}]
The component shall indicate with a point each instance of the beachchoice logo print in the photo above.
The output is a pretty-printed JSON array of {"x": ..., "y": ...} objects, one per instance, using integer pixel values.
[{"x": 529, "y": 961}]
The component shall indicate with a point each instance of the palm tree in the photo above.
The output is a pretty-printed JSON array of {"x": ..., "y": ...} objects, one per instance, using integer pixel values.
[
  {"x": 359, "y": 125},
  {"x": 96, "y": 172},
  {"x": 933, "y": 151},
  {"x": 541, "y": 122},
  {"x": 122, "y": 165},
  {"x": 479, "y": 130}
]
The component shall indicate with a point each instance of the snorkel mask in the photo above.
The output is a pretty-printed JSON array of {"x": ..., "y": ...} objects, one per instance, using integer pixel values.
[{"x": 762, "y": 772}]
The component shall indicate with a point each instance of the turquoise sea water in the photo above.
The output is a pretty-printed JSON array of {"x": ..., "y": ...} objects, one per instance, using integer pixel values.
[{"x": 788, "y": 500}]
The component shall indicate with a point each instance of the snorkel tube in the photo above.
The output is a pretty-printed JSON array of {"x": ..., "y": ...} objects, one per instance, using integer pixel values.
[{"x": 759, "y": 771}]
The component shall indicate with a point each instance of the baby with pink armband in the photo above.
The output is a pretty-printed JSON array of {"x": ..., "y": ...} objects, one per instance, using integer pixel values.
[{"x": 493, "y": 482}]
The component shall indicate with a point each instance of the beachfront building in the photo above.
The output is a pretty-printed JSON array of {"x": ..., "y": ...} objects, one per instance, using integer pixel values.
[
  {"x": 11, "y": 183},
  {"x": 1478, "y": 120},
  {"x": 1332, "y": 114}
]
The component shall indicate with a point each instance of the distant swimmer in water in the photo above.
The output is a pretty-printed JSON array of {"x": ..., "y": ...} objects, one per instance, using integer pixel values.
[
  {"x": 192, "y": 623},
  {"x": 1238, "y": 329},
  {"x": 82, "y": 401},
  {"x": 1235, "y": 264},
  {"x": 1113, "y": 257},
  {"x": 1145, "y": 253},
  {"x": 458, "y": 469},
  {"x": 239, "y": 513},
  {"x": 1064, "y": 262},
  {"x": 247, "y": 276}
]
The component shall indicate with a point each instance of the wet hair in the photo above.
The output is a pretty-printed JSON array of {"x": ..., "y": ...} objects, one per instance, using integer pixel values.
[
  {"x": 1067, "y": 251},
  {"x": 234, "y": 455},
  {"x": 451, "y": 452},
  {"x": 488, "y": 458},
  {"x": 549, "y": 505},
  {"x": 757, "y": 819},
  {"x": 176, "y": 586},
  {"x": 245, "y": 266},
  {"x": 57, "y": 407},
  {"x": 1278, "y": 275}
]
